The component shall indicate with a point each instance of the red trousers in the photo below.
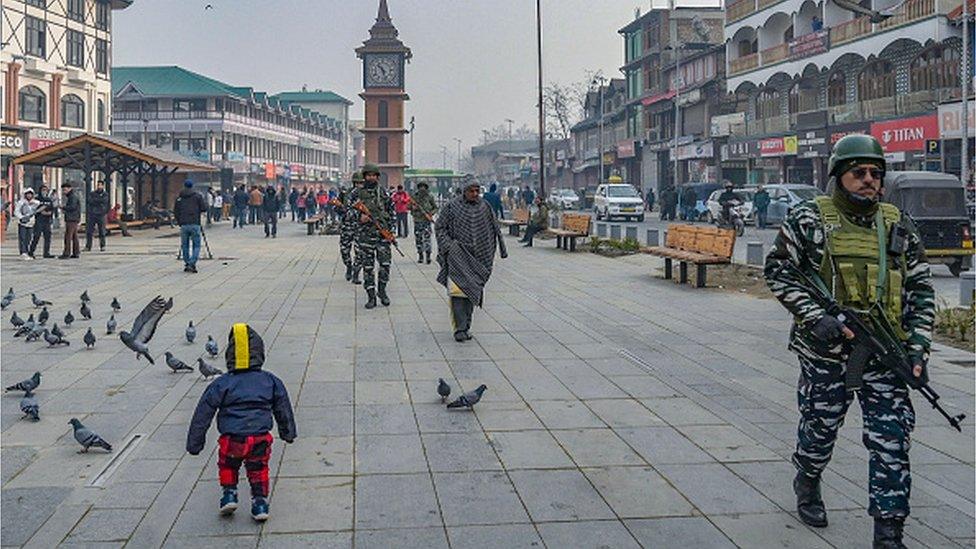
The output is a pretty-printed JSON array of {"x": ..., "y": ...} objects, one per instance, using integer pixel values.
[{"x": 253, "y": 452}]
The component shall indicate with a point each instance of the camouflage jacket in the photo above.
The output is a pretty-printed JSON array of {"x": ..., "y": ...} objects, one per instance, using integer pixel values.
[
  {"x": 422, "y": 203},
  {"x": 379, "y": 203},
  {"x": 801, "y": 241}
]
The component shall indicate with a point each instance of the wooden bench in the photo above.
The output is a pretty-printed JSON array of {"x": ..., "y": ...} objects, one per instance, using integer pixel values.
[
  {"x": 700, "y": 245},
  {"x": 520, "y": 218},
  {"x": 313, "y": 222},
  {"x": 571, "y": 227}
]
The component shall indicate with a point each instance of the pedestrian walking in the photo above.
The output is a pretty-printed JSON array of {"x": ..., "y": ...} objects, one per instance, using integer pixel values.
[
  {"x": 495, "y": 201},
  {"x": 42, "y": 224},
  {"x": 760, "y": 202},
  {"x": 401, "y": 206},
  {"x": 689, "y": 204},
  {"x": 311, "y": 204},
  {"x": 537, "y": 223},
  {"x": 650, "y": 199},
  {"x": 349, "y": 227},
  {"x": 270, "y": 206},
  {"x": 255, "y": 199},
  {"x": 293, "y": 203},
  {"x": 282, "y": 196},
  {"x": 208, "y": 196},
  {"x": 25, "y": 212},
  {"x": 423, "y": 207},
  {"x": 189, "y": 205},
  {"x": 372, "y": 247},
  {"x": 467, "y": 236},
  {"x": 241, "y": 206},
  {"x": 218, "y": 206},
  {"x": 71, "y": 208},
  {"x": 302, "y": 205},
  {"x": 97, "y": 208}
]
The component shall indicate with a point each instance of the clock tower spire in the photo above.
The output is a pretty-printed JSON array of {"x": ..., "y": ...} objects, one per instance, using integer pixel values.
[{"x": 384, "y": 59}]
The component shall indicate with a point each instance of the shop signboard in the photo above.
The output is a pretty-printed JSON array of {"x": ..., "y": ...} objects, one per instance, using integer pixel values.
[
  {"x": 728, "y": 124},
  {"x": 809, "y": 44},
  {"x": 694, "y": 150},
  {"x": 12, "y": 142},
  {"x": 950, "y": 120},
  {"x": 837, "y": 132},
  {"x": 269, "y": 170},
  {"x": 772, "y": 146},
  {"x": 906, "y": 134},
  {"x": 933, "y": 147},
  {"x": 811, "y": 144},
  {"x": 689, "y": 97},
  {"x": 235, "y": 156},
  {"x": 625, "y": 149},
  {"x": 39, "y": 138},
  {"x": 738, "y": 150}
]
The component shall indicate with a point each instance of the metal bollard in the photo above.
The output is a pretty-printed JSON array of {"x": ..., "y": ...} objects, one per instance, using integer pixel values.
[
  {"x": 615, "y": 232},
  {"x": 754, "y": 253},
  {"x": 631, "y": 232},
  {"x": 967, "y": 285},
  {"x": 601, "y": 230},
  {"x": 653, "y": 238}
]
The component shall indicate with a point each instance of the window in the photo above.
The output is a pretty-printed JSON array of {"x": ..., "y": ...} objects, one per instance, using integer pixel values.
[
  {"x": 187, "y": 105},
  {"x": 76, "y": 10},
  {"x": 384, "y": 150},
  {"x": 37, "y": 3},
  {"x": 101, "y": 56},
  {"x": 836, "y": 89},
  {"x": 101, "y": 115},
  {"x": 101, "y": 15},
  {"x": 803, "y": 97},
  {"x": 36, "y": 36},
  {"x": 767, "y": 104},
  {"x": 383, "y": 114},
  {"x": 876, "y": 81},
  {"x": 33, "y": 104},
  {"x": 76, "y": 49},
  {"x": 936, "y": 67},
  {"x": 72, "y": 111}
]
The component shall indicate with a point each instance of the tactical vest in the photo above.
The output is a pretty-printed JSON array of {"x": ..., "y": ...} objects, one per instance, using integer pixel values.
[
  {"x": 852, "y": 264},
  {"x": 375, "y": 199}
]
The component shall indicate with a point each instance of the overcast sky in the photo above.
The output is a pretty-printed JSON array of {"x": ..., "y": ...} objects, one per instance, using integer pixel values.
[{"x": 474, "y": 62}]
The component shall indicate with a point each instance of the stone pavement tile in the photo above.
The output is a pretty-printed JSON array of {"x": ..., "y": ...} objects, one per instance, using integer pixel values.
[
  {"x": 596, "y": 447},
  {"x": 14, "y": 459},
  {"x": 381, "y": 392},
  {"x": 560, "y": 367},
  {"x": 320, "y": 540},
  {"x": 590, "y": 350},
  {"x": 473, "y": 369},
  {"x": 590, "y": 534},
  {"x": 528, "y": 450},
  {"x": 402, "y": 538},
  {"x": 128, "y": 495},
  {"x": 389, "y": 454},
  {"x": 944, "y": 520},
  {"x": 768, "y": 530},
  {"x": 26, "y": 509},
  {"x": 695, "y": 532},
  {"x": 146, "y": 470},
  {"x": 107, "y": 525},
  {"x": 506, "y": 416},
  {"x": 715, "y": 490},
  {"x": 957, "y": 478},
  {"x": 378, "y": 371},
  {"x": 325, "y": 393},
  {"x": 565, "y": 414},
  {"x": 502, "y": 346},
  {"x": 330, "y": 369},
  {"x": 643, "y": 386},
  {"x": 460, "y": 452},
  {"x": 217, "y": 542},
  {"x": 68, "y": 544},
  {"x": 681, "y": 411},
  {"x": 435, "y": 418},
  {"x": 311, "y": 504},
  {"x": 377, "y": 354},
  {"x": 396, "y": 501},
  {"x": 426, "y": 370},
  {"x": 460, "y": 351},
  {"x": 317, "y": 456},
  {"x": 774, "y": 479},
  {"x": 200, "y": 515},
  {"x": 592, "y": 386},
  {"x": 478, "y": 498},
  {"x": 637, "y": 492},
  {"x": 499, "y": 389},
  {"x": 40, "y": 434},
  {"x": 659, "y": 445},
  {"x": 318, "y": 421},
  {"x": 541, "y": 388},
  {"x": 615, "y": 365},
  {"x": 559, "y": 495},
  {"x": 74, "y": 402},
  {"x": 727, "y": 444},
  {"x": 623, "y": 412},
  {"x": 510, "y": 536},
  {"x": 385, "y": 419}
]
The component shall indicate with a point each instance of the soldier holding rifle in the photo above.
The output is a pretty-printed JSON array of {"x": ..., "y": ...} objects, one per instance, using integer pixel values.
[{"x": 371, "y": 246}]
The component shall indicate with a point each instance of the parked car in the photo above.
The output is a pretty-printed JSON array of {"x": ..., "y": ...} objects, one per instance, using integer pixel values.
[
  {"x": 618, "y": 200},
  {"x": 564, "y": 199},
  {"x": 783, "y": 197},
  {"x": 714, "y": 209},
  {"x": 702, "y": 192}
]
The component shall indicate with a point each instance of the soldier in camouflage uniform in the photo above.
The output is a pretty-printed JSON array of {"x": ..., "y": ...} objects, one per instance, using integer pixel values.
[
  {"x": 837, "y": 239},
  {"x": 423, "y": 208},
  {"x": 370, "y": 246},
  {"x": 347, "y": 230}
]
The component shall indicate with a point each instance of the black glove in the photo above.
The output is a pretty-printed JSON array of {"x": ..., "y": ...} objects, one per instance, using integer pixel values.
[{"x": 828, "y": 329}]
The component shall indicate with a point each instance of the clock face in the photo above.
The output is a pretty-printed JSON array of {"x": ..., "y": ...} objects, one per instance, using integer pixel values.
[{"x": 383, "y": 71}]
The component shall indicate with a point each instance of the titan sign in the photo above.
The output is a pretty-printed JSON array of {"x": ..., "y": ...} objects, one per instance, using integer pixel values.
[{"x": 907, "y": 134}]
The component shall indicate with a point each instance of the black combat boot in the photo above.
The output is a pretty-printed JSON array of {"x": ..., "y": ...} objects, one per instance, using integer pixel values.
[
  {"x": 428, "y": 258},
  {"x": 371, "y": 299},
  {"x": 887, "y": 533},
  {"x": 348, "y": 272},
  {"x": 384, "y": 299},
  {"x": 809, "y": 504},
  {"x": 420, "y": 257},
  {"x": 355, "y": 276}
]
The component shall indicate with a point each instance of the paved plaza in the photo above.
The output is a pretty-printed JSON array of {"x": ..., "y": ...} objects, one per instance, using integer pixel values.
[{"x": 622, "y": 410}]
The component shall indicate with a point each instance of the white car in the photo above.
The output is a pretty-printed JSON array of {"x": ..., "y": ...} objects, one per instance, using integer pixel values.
[
  {"x": 618, "y": 200},
  {"x": 565, "y": 199},
  {"x": 715, "y": 209}
]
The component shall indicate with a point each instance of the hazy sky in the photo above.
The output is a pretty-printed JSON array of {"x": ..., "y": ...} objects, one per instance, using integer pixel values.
[{"x": 474, "y": 62}]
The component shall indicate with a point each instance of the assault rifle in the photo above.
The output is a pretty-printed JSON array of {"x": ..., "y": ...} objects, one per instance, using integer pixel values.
[
  {"x": 428, "y": 215},
  {"x": 384, "y": 233},
  {"x": 875, "y": 341}
]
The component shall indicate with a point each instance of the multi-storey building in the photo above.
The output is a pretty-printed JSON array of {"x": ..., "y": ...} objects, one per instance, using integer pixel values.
[
  {"x": 56, "y": 60},
  {"x": 330, "y": 104},
  {"x": 805, "y": 73},
  {"x": 253, "y": 136},
  {"x": 593, "y": 159}
]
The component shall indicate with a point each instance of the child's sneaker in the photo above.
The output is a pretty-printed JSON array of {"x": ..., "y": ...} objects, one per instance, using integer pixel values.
[
  {"x": 228, "y": 502},
  {"x": 259, "y": 509}
]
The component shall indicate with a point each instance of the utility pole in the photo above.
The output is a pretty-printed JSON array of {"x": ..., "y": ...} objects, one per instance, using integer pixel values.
[
  {"x": 411, "y": 142},
  {"x": 964, "y": 172},
  {"x": 542, "y": 123},
  {"x": 443, "y": 157},
  {"x": 458, "y": 154},
  {"x": 599, "y": 81},
  {"x": 677, "y": 108},
  {"x": 510, "y": 122}
]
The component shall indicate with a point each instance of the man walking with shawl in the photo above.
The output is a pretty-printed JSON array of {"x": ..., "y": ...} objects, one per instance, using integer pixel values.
[{"x": 466, "y": 239}]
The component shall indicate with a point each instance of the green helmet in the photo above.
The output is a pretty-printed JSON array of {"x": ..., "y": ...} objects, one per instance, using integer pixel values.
[
  {"x": 370, "y": 168},
  {"x": 856, "y": 147},
  {"x": 357, "y": 177}
]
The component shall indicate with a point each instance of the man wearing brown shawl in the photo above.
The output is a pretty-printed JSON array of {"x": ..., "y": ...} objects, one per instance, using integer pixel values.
[{"x": 466, "y": 239}]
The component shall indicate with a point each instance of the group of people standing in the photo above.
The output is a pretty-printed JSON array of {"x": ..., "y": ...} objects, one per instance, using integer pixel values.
[{"x": 35, "y": 214}]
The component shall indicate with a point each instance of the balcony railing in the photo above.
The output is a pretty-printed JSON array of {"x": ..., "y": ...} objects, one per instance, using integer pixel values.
[
  {"x": 775, "y": 54},
  {"x": 879, "y": 108},
  {"x": 849, "y": 31},
  {"x": 744, "y": 63},
  {"x": 739, "y": 10},
  {"x": 912, "y": 10},
  {"x": 763, "y": 4}
]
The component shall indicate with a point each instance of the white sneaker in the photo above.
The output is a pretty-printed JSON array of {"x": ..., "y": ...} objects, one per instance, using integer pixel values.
[{"x": 26, "y": 257}]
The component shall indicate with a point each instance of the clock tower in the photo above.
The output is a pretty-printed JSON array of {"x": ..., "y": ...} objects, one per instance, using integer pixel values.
[{"x": 384, "y": 59}]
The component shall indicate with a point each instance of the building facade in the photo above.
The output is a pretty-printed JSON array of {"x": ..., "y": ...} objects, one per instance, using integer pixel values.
[
  {"x": 57, "y": 82},
  {"x": 593, "y": 158},
  {"x": 332, "y": 105}
]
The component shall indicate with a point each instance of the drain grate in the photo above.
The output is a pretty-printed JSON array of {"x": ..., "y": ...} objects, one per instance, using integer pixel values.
[
  {"x": 640, "y": 362},
  {"x": 113, "y": 464}
]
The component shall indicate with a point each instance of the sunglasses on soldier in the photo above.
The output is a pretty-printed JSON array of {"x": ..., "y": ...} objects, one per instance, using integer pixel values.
[{"x": 860, "y": 171}]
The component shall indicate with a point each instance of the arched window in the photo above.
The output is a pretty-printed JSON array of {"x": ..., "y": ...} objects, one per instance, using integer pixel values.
[
  {"x": 101, "y": 115},
  {"x": 768, "y": 104},
  {"x": 836, "y": 89},
  {"x": 876, "y": 81},
  {"x": 383, "y": 114},
  {"x": 384, "y": 150},
  {"x": 33, "y": 104},
  {"x": 936, "y": 67},
  {"x": 803, "y": 97},
  {"x": 72, "y": 111}
]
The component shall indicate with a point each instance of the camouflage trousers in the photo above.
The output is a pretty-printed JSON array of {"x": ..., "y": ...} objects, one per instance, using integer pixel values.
[
  {"x": 888, "y": 419},
  {"x": 371, "y": 249},
  {"x": 347, "y": 234},
  {"x": 421, "y": 236}
]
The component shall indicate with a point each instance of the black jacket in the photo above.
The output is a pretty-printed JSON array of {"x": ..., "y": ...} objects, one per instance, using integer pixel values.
[
  {"x": 44, "y": 217},
  {"x": 293, "y": 197},
  {"x": 240, "y": 199},
  {"x": 71, "y": 207},
  {"x": 97, "y": 203},
  {"x": 189, "y": 205},
  {"x": 271, "y": 202}
]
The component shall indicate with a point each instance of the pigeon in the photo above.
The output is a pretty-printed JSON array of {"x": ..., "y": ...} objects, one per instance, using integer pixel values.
[
  {"x": 10, "y": 294},
  {"x": 110, "y": 325},
  {"x": 5, "y": 302},
  {"x": 443, "y": 389},
  {"x": 16, "y": 320},
  {"x": 30, "y": 407},
  {"x": 68, "y": 319},
  {"x": 145, "y": 326},
  {"x": 43, "y": 316},
  {"x": 84, "y": 297},
  {"x": 89, "y": 338},
  {"x": 191, "y": 333},
  {"x": 87, "y": 438},
  {"x": 34, "y": 335},
  {"x": 176, "y": 364},
  {"x": 38, "y": 302},
  {"x": 57, "y": 331},
  {"x": 211, "y": 347},
  {"x": 26, "y": 327},
  {"x": 28, "y": 385},
  {"x": 115, "y": 304},
  {"x": 207, "y": 370},
  {"x": 53, "y": 340},
  {"x": 85, "y": 311},
  {"x": 469, "y": 399}
]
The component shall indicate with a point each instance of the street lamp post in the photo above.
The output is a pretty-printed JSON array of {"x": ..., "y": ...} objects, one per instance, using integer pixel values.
[
  {"x": 964, "y": 172},
  {"x": 443, "y": 157},
  {"x": 677, "y": 109},
  {"x": 510, "y": 122},
  {"x": 458, "y": 141},
  {"x": 599, "y": 81},
  {"x": 411, "y": 141},
  {"x": 542, "y": 112}
]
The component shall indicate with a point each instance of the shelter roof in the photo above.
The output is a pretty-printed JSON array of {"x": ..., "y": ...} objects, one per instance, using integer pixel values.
[{"x": 107, "y": 151}]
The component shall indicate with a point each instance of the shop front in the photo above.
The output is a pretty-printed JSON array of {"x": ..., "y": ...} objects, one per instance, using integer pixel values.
[
  {"x": 735, "y": 157},
  {"x": 13, "y": 142},
  {"x": 950, "y": 135},
  {"x": 696, "y": 162},
  {"x": 904, "y": 140},
  {"x": 809, "y": 165}
]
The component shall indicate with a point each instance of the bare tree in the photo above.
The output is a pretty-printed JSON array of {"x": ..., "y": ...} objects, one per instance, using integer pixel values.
[{"x": 564, "y": 107}]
